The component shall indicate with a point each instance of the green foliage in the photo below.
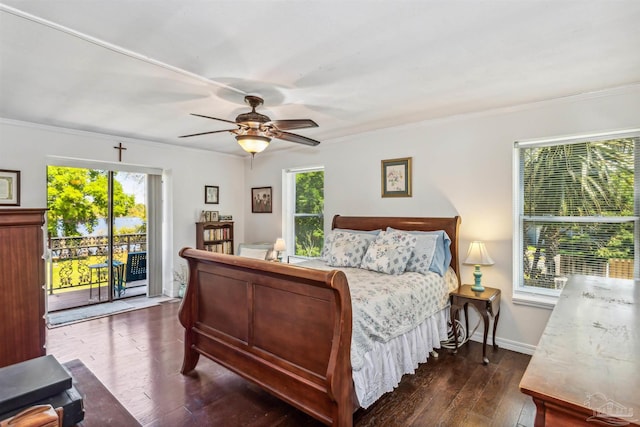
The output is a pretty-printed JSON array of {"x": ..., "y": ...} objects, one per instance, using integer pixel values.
[
  {"x": 309, "y": 228},
  {"x": 310, "y": 192},
  {"x": 78, "y": 197},
  {"x": 583, "y": 179}
]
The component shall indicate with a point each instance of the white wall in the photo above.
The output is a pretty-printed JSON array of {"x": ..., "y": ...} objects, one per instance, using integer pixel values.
[
  {"x": 186, "y": 171},
  {"x": 461, "y": 165}
]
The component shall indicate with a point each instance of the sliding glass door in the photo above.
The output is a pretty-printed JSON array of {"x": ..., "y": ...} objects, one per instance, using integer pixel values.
[{"x": 97, "y": 235}]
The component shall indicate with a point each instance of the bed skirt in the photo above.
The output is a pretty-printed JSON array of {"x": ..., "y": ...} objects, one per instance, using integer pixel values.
[{"x": 387, "y": 362}]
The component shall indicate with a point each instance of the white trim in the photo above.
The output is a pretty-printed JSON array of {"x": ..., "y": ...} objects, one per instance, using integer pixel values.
[
  {"x": 532, "y": 299},
  {"x": 101, "y": 165},
  {"x": 571, "y": 139},
  {"x": 503, "y": 343},
  {"x": 107, "y": 136},
  {"x": 546, "y": 298},
  {"x": 580, "y": 219}
]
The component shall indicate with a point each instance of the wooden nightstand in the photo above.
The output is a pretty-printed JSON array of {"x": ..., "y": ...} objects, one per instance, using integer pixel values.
[{"x": 486, "y": 302}]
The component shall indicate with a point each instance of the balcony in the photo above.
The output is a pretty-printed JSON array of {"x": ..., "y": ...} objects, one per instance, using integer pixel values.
[{"x": 77, "y": 273}]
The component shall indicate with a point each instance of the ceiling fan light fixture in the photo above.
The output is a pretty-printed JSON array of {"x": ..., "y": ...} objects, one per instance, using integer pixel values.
[{"x": 252, "y": 143}]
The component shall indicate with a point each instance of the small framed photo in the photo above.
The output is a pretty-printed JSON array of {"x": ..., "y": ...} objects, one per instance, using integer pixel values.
[
  {"x": 261, "y": 200},
  {"x": 214, "y": 216},
  {"x": 396, "y": 177},
  {"x": 9, "y": 187},
  {"x": 211, "y": 193}
]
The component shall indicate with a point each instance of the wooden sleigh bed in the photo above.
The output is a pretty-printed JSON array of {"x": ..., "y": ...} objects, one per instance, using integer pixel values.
[{"x": 285, "y": 328}]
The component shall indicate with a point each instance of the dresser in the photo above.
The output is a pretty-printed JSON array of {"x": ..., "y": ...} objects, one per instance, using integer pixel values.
[
  {"x": 22, "y": 280},
  {"x": 586, "y": 368}
]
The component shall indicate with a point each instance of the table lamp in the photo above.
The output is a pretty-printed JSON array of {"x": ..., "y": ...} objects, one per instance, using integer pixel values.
[
  {"x": 478, "y": 256},
  {"x": 279, "y": 246}
]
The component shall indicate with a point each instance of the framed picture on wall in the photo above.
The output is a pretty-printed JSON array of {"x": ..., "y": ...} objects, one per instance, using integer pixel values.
[
  {"x": 396, "y": 177},
  {"x": 211, "y": 194},
  {"x": 261, "y": 200},
  {"x": 9, "y": 187}
]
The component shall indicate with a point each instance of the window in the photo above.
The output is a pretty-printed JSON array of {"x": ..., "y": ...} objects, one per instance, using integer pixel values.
[
  {"x": 303, "y": 219},
  {"x": 576, "y": 211}
]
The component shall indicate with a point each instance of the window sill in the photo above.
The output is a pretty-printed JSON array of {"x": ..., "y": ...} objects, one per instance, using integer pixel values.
[{"x": 534, "y": 300}]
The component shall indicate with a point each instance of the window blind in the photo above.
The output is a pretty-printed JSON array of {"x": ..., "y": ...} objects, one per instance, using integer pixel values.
[{"x": 578, "y": 210}]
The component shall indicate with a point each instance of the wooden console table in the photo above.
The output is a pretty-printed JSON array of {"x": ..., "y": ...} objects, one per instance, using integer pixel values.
[{"x": 586, "y": 368}]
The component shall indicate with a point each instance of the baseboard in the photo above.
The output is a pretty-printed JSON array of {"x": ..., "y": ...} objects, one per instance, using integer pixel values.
[{"x": 506, "y": 344}]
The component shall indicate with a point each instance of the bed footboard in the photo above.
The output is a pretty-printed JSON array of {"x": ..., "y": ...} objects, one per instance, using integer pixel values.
[{"x": 285, "y": 328}]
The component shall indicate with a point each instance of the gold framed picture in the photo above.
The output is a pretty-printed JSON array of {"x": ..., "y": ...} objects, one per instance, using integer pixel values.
[
  {"x": 396, "y": 177},
  {"x": 9, "y": 187}
]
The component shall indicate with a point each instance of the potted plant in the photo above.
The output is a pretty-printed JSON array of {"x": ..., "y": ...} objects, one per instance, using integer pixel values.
[{"x": 181, "y": 276}]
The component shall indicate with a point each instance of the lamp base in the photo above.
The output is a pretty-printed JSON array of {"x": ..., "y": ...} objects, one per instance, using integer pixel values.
[{"x": 477, "y": 275}]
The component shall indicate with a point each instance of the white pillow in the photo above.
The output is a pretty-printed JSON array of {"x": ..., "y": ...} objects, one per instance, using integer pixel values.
[
  {"x": 390, "y": 252},
  {"x": 254, "y": 253},
  {"x": 347, "y": 249}
]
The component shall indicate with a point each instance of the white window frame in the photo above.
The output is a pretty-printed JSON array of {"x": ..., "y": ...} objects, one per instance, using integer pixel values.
[
  {"x": 547, "y": 298},
  {"x": 288, "y": 204}
]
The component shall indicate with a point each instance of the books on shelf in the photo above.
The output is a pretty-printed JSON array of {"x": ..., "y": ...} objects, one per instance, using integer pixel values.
[
  {"x": 217, "y": 233},
  {"x": 222, "y": 247},
  {"x": 215, "y": 236}
]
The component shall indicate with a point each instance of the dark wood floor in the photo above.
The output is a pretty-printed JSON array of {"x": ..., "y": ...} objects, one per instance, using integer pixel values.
[
  {"x": 81, "y": 297},
  {"x": 137, "y": 355}
]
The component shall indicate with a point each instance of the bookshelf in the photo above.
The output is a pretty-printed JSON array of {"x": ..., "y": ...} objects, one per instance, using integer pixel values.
[{"x": 215, "y": 236}]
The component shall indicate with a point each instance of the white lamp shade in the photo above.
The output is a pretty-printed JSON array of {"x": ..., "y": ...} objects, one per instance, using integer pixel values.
[
  {"x": 478, "y": 254},
  {"x": 279, "y": 246},
  {"x": 253, "y": 144}
]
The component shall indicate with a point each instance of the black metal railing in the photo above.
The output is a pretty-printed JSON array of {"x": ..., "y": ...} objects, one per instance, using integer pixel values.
[{"x": 72, "y": 257}]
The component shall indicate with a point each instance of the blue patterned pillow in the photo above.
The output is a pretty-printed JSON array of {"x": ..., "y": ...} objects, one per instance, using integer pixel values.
[
  {"x": 347, "y": 249},
  {"x": 390, "y": 252},
  {"x": 442, "y": 254},
  {"x": 330, "y": 236}
]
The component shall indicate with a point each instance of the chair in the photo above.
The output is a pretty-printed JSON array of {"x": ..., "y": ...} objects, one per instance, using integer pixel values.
[{"x": 136, "y": 266}]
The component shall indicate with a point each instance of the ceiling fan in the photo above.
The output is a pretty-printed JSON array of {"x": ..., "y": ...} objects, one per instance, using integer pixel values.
[{"x": 254, "y": 131}]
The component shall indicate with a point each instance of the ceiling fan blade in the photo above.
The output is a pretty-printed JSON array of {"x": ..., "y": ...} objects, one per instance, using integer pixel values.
[
  {"x": 292, "y": 124},
  {"x": 292, "y": 137},
  {"x": 214, "y": 118},
  {"x": 206, "y": 133}
]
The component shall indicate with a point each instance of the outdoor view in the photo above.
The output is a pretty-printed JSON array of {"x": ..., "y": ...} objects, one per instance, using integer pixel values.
[
  {"x": 578, "y": 203},
  {"x": 78, "y": 204},
  {"x": 309, "y": 216}
]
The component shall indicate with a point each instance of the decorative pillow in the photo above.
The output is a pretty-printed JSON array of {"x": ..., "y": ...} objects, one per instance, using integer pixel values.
[
  {"x": 442, "y": 254},
  {"x": 422, "y": 255},
  {"x": 347, "y": 249},
  {"x": 254, "y": 253},
  {"x": 390, "y": 252},
  {"x": 330, "y": 236}
]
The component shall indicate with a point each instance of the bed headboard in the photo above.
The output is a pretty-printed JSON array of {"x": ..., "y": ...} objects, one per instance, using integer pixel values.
[{"x": 450, "y": 225}]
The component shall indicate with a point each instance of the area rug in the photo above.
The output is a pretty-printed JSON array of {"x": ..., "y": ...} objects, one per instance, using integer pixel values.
[
  {"x": 73, "y": 315},
  {"x": 101, "y": 408}
]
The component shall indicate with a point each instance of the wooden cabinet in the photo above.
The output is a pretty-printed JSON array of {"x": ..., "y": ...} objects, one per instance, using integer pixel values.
[
  {"x": 215, "y": 236},
  {"x": 22, "y": 280}
]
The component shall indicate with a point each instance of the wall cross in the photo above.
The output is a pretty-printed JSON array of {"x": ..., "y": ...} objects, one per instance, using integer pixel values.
[{"x": 120, "y": 148}]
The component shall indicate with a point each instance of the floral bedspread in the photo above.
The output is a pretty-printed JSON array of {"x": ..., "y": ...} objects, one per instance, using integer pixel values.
[{"x": 385, "y": 306}]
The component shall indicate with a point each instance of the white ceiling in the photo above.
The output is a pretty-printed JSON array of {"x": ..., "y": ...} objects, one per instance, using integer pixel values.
[{"x": 137, "y": 68}]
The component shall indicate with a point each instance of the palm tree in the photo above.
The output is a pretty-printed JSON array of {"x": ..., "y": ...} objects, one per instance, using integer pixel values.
[{"x": 580, "y": 179}]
